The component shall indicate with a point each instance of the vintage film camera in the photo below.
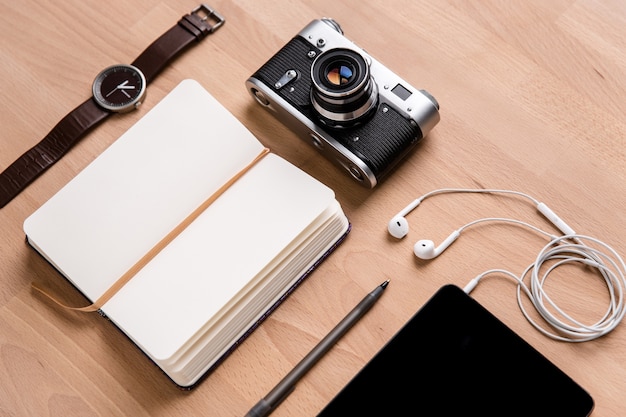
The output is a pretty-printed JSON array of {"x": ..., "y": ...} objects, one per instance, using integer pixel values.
[{"x": 355, "y": 111}]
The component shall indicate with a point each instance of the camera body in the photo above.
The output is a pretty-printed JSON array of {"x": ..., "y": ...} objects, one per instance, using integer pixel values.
[{"x": 355, "y": 111}]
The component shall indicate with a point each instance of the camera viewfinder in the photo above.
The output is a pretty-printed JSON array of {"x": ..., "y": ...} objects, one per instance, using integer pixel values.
[{"x": 401, "y": 91}]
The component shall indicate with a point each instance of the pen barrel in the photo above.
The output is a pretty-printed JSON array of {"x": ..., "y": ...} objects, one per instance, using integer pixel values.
[
  {"x": 282, "y": 390},
  {"x": 260, "y": 409},
  {"x": 276, "y": 396}
]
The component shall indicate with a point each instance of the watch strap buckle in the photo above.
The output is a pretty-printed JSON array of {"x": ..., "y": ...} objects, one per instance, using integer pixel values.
[{"x": 209, "y": 16}]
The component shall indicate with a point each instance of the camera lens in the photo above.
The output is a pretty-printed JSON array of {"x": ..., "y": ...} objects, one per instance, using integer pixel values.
[
  {"x": 343, "y": 92},
  {"x": 339, "y": 74}
]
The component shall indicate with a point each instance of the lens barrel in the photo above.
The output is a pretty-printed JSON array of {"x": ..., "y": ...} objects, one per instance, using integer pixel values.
[{"x": 343, "y": 92}]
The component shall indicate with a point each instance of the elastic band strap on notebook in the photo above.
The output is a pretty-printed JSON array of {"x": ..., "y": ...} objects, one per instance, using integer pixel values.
[{"x": 117, "y": 285}]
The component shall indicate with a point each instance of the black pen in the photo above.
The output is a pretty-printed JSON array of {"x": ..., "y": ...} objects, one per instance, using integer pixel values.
[{"x": 268, "y": 403}]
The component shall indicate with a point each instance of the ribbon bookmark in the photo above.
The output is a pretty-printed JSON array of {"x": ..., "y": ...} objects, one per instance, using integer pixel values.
[{"x": 117, "y": 285}]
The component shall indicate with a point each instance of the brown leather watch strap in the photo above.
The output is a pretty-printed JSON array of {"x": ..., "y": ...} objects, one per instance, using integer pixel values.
[
  {"x": 49, "y": 150},
  {"x": 194, "y": 26}
]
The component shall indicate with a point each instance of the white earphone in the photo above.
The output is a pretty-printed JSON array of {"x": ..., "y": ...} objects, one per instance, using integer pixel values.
[
  {"x": 398, "y": 226},
  {"x": 425, "y": 249},
  {"x": 567, "y": 248}
]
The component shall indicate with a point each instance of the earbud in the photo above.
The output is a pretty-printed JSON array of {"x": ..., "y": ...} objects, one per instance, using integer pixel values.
[
  {"x": 398, "y": 227},
  {"x": 425, "y": 249}
]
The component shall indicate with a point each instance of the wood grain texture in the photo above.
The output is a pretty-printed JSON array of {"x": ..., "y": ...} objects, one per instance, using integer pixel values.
[{"x": 532, "y": 99}]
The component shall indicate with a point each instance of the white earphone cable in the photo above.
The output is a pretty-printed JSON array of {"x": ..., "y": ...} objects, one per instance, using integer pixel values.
[
  {"x": 477, "y": 190},
  {"x": 561, "y": 250}
]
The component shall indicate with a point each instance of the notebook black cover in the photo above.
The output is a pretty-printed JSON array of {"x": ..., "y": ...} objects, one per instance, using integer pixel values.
[{"x": 454, "y": 358}]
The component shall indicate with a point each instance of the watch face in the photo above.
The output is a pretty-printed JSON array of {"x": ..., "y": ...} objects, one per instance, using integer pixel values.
[{"x": 119, "y": 88}]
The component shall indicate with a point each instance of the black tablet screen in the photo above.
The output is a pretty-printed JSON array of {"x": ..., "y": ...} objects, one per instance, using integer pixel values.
[{"x": 454, "y": 358}]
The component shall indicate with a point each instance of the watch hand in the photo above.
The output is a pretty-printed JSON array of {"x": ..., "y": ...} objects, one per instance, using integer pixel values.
[
  {"x": 111, "y": 92},
  {"x": 122, "y": 85}
]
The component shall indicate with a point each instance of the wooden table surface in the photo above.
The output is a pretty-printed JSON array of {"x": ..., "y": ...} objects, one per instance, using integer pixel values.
[{"x": 532, "y": 99}]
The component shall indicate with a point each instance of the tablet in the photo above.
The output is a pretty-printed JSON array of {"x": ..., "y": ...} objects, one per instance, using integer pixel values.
[{"x": 454, "y": 358}]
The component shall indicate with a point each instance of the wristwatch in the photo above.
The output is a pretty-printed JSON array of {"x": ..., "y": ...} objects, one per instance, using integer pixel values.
[{"x": 116, "y": 89}]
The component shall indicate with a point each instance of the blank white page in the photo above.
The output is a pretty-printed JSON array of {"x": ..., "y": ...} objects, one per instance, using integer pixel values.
[{"x": 114, "y": 211}]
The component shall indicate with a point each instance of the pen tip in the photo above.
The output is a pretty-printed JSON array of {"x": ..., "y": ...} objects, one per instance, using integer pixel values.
[{"x": 384, "y": 284}]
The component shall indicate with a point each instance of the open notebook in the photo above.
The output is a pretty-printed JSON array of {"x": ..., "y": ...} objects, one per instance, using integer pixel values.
[{"x": 211, "y": 285}]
